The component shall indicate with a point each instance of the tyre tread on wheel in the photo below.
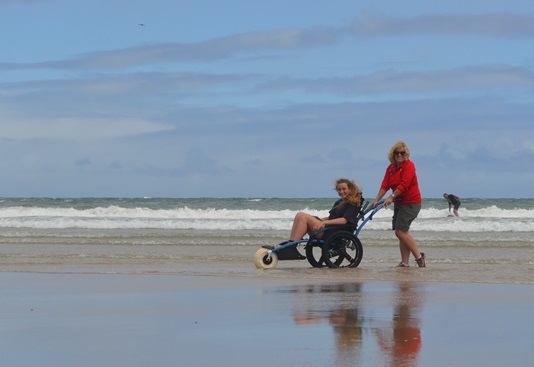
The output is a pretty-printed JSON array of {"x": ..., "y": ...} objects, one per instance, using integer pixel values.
[
  {"x": 342, "y": 250},
  {"x": 314, "y": 255},
  {"x": 265, "y": 260}
]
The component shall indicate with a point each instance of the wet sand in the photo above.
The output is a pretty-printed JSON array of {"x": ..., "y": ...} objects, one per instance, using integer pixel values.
[{"x": 295, "y": 317}]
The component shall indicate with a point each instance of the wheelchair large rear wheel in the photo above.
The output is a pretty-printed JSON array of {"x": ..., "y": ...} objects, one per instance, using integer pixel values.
[
  {"x": 314, "y": 254},
  {"x": 342, "y": 250}
]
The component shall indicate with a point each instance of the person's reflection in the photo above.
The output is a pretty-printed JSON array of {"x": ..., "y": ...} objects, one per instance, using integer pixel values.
[
  {"x": 402, "y": 341},
  {"x": 339, "y": 306},
  {"x": 347, "y": 327}
]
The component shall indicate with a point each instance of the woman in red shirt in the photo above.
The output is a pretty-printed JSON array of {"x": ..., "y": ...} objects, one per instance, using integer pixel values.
[{"x": 401, "y": 177}]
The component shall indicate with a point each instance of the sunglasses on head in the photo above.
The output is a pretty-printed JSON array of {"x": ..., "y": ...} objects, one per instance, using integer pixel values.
[{"x": 400, "y": 153}]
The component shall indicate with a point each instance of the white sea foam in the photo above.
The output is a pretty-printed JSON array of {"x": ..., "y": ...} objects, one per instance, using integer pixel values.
[{"x": 488, "y": 219}]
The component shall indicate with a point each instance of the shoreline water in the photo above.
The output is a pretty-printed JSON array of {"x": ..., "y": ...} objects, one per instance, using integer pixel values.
[
  {"x": 243, "y": 268},
  {"x": 218, "y": 253}
]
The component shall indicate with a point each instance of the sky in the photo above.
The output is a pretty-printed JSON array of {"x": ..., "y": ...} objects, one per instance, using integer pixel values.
[{"x": 278, "y": 98}]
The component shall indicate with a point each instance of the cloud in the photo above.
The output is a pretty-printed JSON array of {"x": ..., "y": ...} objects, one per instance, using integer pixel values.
[
  {"x": 461, "y": 80},
  {"x": 211, "y": 50},
  {"x": 502, "y": 24},
  {"x": 76, "y": 128},
  {"x": 83, "y": 162},
  {"x": 505, "y": 25},
  {"x": 22, "y": 1},
  {"x": 529, "y": 145},
  {"x": 140, "y": 83},
  {"x": 256, "y": 116}
]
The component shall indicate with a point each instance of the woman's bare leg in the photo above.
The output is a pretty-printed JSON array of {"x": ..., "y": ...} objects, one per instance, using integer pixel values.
[
  {"x": 407, "y": 245},
  {"x": 302, "y": 224}
]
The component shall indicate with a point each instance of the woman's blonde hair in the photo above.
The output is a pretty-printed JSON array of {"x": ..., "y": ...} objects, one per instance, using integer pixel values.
[
  {"x": 394, "y": 147},
  {"x": 355, "y": 194}
]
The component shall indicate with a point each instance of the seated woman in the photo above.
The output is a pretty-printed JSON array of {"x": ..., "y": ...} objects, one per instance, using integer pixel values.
[{"x": 344, "y": 212}]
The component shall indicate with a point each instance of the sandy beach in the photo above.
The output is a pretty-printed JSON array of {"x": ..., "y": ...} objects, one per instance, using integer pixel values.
[
  {"x": 89, "y": 283},
  {"x": 293, "y": 315}
]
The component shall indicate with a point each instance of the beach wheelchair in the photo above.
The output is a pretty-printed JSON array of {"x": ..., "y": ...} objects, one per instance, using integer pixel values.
[{"x": 338, "y": 247}]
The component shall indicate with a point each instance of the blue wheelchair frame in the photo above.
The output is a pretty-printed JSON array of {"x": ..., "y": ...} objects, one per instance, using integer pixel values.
[{"x": 339, "y": 246}]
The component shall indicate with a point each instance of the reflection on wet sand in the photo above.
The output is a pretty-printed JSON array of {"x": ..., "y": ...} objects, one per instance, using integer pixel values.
[
  {"x": 400, "y": 340},
  {"x": 357, "y": 317}
]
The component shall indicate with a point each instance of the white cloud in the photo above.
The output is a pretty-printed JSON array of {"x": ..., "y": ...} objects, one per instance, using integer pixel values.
[
  {"x": 76, "y": 128},
  {"x": 460, "y": 80},
  {"x": 279, "y": 111},
  {"x": 503, "y": 24},
  {"x": 529, "y": 145},
  {"x": 497, "y": 24}
]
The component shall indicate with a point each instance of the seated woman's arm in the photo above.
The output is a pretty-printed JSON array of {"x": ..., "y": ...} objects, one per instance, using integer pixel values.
[{"x": 336, "y": 221}]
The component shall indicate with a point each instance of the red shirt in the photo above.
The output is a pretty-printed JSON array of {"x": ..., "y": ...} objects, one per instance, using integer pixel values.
[{"x": 403, "y": 178}]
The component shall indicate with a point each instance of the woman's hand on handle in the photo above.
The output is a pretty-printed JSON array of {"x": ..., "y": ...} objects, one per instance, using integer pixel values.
[{"x": 381, "y": 193}]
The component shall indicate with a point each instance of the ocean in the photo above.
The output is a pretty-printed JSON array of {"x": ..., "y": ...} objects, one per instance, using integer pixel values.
[{"x": 169, "y": 233}]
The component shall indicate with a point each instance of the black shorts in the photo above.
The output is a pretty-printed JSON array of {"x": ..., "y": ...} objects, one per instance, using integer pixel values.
[{"x": 404, "y": 214}]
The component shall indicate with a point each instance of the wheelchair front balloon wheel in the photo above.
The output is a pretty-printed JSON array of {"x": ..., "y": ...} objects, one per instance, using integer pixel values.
[{"x": 265, "y": 260}]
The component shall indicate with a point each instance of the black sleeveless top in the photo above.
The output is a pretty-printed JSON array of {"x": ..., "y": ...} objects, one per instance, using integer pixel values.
[{"x": 348, "y": 211}]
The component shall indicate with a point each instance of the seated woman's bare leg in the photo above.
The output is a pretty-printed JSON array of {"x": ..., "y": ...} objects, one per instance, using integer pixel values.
[{"x": 302, "y": 224}]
